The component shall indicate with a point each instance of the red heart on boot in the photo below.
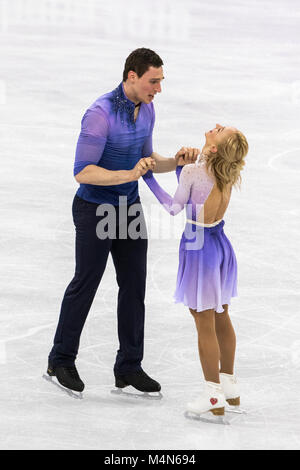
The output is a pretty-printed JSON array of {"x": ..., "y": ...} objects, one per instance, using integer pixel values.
[{"x": 213, "y": 401}]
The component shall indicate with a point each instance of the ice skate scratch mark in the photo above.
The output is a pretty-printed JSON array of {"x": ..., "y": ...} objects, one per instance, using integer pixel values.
[
  {"x": 61, "y": 129},
  {"x": 295, "y": 133},
  {"x": 279, "y": 155},
  {"x": 153, "y": 270},
  {"x": 281, "y": 327},
  {"x": 30, "y": 332},
  {"x": 278, "y": 405}
]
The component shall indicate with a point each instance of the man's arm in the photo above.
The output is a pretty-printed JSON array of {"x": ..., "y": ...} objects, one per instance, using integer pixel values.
[
  {"x": 93, "y": 174},
  {"x": 183, "y": 157}
]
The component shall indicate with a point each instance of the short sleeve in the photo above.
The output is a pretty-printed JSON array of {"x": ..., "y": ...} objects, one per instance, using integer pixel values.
[{"x": 92, "y": 139}]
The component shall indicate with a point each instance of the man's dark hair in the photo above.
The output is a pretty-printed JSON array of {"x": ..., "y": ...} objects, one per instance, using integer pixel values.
[{"x": 140, "y": 60}]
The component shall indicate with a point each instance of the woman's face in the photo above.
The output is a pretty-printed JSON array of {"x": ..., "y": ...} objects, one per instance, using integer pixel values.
[{"x": 218, "y": 134}]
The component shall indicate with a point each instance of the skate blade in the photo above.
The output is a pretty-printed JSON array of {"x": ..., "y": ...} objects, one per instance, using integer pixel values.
[
  {"x": 137, "y": 395},
  {"x": 235, "y": 409},
  {"x": 71, "y": 393},
  {"x": 207, "y": 417}
]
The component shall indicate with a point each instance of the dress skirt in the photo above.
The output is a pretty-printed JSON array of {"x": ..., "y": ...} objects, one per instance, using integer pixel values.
[{"x": 207, "y": 272}]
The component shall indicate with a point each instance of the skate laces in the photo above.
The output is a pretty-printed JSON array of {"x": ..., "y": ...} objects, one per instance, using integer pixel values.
[
  {"x": 143, "y": 374},
  {"x": 73, "y": 372}
]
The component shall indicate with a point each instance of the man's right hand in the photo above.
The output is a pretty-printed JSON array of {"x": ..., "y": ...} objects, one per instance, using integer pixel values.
[{"x": 142, "y": 166}]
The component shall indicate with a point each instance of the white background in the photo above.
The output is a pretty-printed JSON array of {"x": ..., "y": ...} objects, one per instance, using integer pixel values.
[{"x": 233, "y": 62}]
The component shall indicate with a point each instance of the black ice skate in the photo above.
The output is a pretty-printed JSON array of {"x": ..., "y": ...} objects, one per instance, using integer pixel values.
[
  {"x": 140, "y": 381},
  {"x": 68, "y": 379}
]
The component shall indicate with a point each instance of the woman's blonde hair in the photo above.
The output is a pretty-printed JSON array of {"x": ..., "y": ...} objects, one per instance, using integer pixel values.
[{"x": 227, "y": 163}]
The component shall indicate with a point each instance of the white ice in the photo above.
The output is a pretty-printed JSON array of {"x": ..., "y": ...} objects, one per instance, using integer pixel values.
[{"x": 232, "y": 62}]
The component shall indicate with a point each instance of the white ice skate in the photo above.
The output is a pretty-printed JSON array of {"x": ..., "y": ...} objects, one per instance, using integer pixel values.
[
  {"x": 232, "y": 393},
  {"x": 209, "y": 406}
]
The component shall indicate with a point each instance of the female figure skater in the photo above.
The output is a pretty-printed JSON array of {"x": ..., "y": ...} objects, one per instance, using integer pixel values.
[{"x": 207, "y": 272}]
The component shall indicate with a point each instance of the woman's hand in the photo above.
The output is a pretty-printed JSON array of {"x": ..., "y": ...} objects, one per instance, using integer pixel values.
[
  {"x": 186, "y": 155},
  {"x": 142, "y": 166}
]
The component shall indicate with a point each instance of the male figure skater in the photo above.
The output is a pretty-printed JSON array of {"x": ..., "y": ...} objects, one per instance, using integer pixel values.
[{"x": 116, "y": 132}]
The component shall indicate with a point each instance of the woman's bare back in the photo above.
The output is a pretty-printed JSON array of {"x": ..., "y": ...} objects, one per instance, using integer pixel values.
[
  {"x": 215, "y": 205},
  {"x": 197, "y": 189}
]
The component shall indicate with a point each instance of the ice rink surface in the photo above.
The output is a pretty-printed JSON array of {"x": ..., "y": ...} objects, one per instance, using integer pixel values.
[{"x": 234, "y": 62}]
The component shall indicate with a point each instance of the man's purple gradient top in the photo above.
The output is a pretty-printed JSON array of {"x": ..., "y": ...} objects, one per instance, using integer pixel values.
[{"x": 111, "y": 139}]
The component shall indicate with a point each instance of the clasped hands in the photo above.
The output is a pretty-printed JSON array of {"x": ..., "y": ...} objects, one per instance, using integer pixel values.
[{"x": 184, "y": 156}]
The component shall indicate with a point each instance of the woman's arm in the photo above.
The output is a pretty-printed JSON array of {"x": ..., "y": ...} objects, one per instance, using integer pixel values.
[
  {"x": 178, "y": 172},
  {"x": 163, "y": 164},
  {"x": 176, "y": 204}
]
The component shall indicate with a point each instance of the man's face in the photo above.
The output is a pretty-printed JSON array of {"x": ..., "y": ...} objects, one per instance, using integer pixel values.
[{"x": 146, "y": 87}]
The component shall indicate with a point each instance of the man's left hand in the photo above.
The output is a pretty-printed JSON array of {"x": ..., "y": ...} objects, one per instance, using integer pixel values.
[{"x": 186, "y": 155}]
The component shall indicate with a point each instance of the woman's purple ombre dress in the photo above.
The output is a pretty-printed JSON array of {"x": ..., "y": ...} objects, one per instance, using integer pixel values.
[{"x": 207, "y": 272}]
